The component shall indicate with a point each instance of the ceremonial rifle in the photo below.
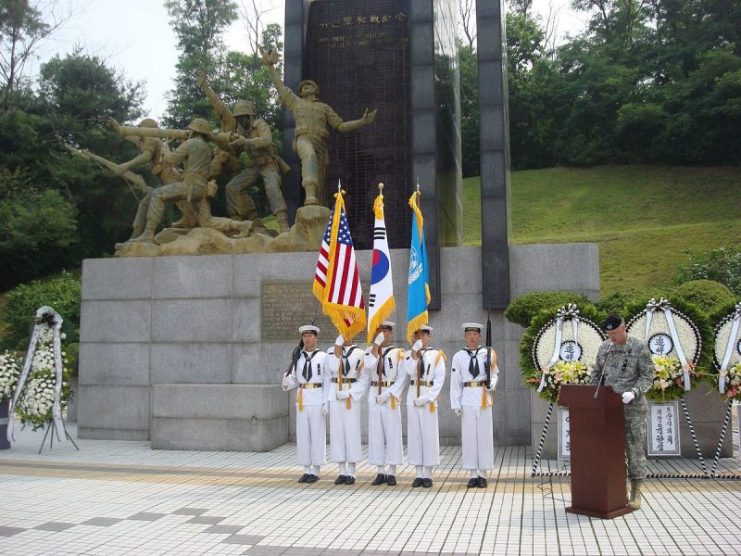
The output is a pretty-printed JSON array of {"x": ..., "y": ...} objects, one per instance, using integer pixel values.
[
  {"x": 488, "y": 351},
  {"x": 294, "y": 356}
]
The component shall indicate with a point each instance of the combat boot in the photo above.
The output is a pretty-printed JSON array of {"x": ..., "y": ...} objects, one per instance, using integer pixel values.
[
  {"x": 282, "y": 217},
  {"x": 635, "y": 494}
]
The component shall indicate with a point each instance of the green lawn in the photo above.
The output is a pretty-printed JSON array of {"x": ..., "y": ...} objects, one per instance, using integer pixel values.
[{"x": 644, "y": 218}]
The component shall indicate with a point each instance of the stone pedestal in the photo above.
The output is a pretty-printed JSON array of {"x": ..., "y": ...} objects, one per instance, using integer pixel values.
[{"x": 189, "y": 351}]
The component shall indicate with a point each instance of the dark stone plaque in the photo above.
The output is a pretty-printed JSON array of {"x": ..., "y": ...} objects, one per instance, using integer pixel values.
[
  {"x": 288, "y": 305},
  {"x": 358, "y": 53}
]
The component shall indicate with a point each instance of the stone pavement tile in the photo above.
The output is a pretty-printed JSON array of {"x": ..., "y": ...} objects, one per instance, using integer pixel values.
[
  {"x": 145, "y": 516},
  {"x": 54, "y": 526},
  {"x": 10, "y": 531},
  {"x": 224, "y": 529},
  {"x": 243, "y": 539},
  {"x": 102, "y": 521},
  {"x": 207, "y": 519},
  {"x": 265, "y": 550},
  {"x": 190, "y": 511}
]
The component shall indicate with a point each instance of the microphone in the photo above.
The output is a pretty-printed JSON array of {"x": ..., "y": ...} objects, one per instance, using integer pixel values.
[{"x": 602, "y": 374}]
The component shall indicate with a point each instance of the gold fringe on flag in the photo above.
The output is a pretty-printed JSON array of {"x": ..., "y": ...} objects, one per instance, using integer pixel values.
[
  {"x": 432, "y": 407},
  {"x": 300, "y": 399}
]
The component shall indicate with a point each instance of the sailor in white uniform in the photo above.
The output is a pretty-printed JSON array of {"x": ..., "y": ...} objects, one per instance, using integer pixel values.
[
  {"x": 424, "y": 371},
  {"x": 383, "y": 363},
  {"x": 471, "y": 399},
  {"x": 345, "y": 392},
  {"x": 307, "y": 375}
]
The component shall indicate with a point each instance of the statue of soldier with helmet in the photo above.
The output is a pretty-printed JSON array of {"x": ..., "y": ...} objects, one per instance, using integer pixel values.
[{"x": 243, "y": 131}]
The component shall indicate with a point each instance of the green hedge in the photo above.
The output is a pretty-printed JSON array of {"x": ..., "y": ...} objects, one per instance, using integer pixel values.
[
  {"x": 523, "y": 308},
  {"x": 61, "y": 293},
  {"x": 708, "y": 295}
]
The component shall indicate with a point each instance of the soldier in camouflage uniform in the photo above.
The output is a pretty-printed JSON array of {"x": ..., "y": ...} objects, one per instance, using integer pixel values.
[{"x": 624, "y": 363}]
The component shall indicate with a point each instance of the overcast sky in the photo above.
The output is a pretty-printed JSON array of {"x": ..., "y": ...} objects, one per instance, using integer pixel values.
[{"x": 134, "y": 36}]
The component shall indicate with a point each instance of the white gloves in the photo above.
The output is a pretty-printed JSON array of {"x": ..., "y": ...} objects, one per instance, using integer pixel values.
[
  {"x": 379, "y": 339},
  {"x": 417, "y": 345},
  {"x": 419, "y": 402},
  {"x": 325, "y": 409},
  {"x": 628, "y": 397},
  {"x": 457, "y": 411},
  {"x": 383, "y": 397},
  {"x": 340, "y": 341},
  {"x": 343, "y": 394}
]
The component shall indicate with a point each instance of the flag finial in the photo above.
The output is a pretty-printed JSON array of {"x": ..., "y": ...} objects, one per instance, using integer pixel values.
[
  {"x": 380, "y": 187},
  {"x": 339, "y": 186},
  {"x": 417, "y": 185}
]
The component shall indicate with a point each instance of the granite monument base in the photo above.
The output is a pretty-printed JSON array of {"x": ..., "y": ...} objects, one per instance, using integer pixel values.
[{"x": 189, "y": 351}]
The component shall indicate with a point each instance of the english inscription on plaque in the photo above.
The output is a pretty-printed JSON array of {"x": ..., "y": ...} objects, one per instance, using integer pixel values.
[{"x": 288, "y": 305}]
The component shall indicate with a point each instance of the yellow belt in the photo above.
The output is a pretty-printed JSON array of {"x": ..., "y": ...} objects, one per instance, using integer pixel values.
[
  {"x": 422, "y": 382},
  {"x": 345, "y": 380},
  {"x": 473, "y": 384},
  {"x": 310, "y": 385},
  {"x": 385, "y": 383}
]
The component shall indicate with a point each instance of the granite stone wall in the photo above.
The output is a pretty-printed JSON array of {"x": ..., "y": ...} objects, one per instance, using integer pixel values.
[{"x": 173, "y": 350}]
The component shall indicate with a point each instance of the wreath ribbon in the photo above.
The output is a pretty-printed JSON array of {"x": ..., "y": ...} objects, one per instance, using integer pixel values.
[
  {"x": 566, "y": 312},
  {"x": 723, "y": 372},
  {"x": 57, "y": 346},
  {"x": 664, "y": 306}
]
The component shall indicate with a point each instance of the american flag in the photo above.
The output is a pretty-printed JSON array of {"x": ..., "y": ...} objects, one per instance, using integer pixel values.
[{"x": 336, "y": 279}]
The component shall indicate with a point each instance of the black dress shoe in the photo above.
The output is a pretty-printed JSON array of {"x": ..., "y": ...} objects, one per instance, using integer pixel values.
[
  {"x": 303, "y": 478},
  {"x": 340, "y": 480},
  {"x": 379, "y": 480},
  {"x": 418, "y": 482},
  {"x": 483, "y": 483},
  {"x": 427, "y": 483},
  {"x": 312, "y": 479},
  {"x": 391, "y": 480},
  {"x": 473, "y": 482},
  {"x": 349, "y": 480}
]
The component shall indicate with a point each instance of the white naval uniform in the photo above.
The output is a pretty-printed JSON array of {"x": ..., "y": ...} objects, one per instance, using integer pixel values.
[
  {"x": 385, "y": 446},
  {"x": 423, "y": 437},
  {"x": 311, "y": 425},
  {"x": 344, "y": 423},
  {"x": 477, "y": 433}
]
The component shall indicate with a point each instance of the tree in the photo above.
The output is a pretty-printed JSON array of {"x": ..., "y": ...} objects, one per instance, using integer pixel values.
[
  {"x": 22, "y": 28},
  {"x": 199, "y": 25}
]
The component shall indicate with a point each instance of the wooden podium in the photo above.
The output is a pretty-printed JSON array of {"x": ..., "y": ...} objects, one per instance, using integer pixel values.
[{"x": 597, "y": 435}]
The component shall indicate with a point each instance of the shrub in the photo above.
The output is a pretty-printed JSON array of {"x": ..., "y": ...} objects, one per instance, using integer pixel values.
[
  {"x": 62, "y": 293},
  {"x": 523, "y": 308},
  {"x": 618, "y": 302},
  {"x": 722, "y": 265},
  {"x": 708, "y": 295}
]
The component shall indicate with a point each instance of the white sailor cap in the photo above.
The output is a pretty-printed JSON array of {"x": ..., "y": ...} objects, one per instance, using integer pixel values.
[
  {"x": 388, "y": 324},
  {"x": 308, "y": 328},
  {"x": 425, "y": 328},
  {"x": 478, "y": 327}
]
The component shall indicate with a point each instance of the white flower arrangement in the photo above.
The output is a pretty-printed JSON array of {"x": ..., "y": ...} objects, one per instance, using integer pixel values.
[
  {"x": 35, "y": 402},
  {"x": 10, "y": 371}
]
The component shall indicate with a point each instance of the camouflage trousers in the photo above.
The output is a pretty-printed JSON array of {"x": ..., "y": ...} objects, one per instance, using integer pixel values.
[{"x": 635, "y": 437}]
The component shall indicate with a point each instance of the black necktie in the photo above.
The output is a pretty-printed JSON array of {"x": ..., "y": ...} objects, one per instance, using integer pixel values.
[
  {"x": 307, "y": 367},
  {"x": 346, "y": 365},
  {"x": 473, "y": 364}
]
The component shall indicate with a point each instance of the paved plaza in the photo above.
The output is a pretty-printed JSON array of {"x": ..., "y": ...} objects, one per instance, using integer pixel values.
[{"x": 115, "y": 497}]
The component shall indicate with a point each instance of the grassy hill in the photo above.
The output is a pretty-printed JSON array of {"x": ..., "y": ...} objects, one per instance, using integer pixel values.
[{"x": 646, "y": 219}]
